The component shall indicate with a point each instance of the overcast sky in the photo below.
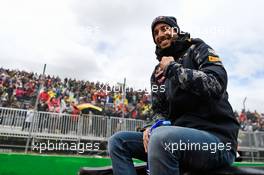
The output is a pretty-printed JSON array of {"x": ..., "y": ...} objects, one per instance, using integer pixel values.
[{"x": 111, "y": 39}]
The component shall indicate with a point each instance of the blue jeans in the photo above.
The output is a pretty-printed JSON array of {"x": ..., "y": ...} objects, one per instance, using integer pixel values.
[{"x": 167, "y": 154}]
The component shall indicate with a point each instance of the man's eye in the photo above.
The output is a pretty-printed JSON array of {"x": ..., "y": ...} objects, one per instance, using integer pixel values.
[
  {"x": 168, "y": 28},
  {"x": 163, "y": 29}
]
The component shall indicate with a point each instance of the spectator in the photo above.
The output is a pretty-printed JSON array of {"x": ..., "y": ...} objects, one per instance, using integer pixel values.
[
  {"x": 242, "y": 117},
  {"x": 44, "y": 96},
  {"x": 43, "y": 106},
  {"x": 54, "y": 104},
  {"x": 28, "y": 119}
]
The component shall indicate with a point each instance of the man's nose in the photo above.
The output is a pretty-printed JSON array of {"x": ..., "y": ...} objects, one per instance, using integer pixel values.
[{"x": 161, "y": 36}]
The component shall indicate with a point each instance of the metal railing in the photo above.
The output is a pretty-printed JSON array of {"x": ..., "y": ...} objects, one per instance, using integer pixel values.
[
  {"x": 32, "y": 125},
  {"x": 252, "y": 144},
  {"x": 14, "y": 122}
]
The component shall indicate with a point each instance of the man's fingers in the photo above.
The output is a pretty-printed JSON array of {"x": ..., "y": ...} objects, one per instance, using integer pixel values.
[
  {"x": 145, "y": 147},
  {"x": 146, "y": 139},
  {"x": 165, "y": 61},
  {"x": 146, "y": 143},
  {"x": 158, "y": 74},
  {"x": 161, "y": 80}
]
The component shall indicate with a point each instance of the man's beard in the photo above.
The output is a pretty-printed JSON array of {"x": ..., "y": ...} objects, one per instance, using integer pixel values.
[
  {"x": 165, "y": 38},
  {"x": 176, "y": 50}
]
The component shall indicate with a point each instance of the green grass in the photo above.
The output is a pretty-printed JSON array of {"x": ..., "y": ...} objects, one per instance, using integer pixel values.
[
  {"x": 28, "y": 164},
  {"x": 21, "y": 164},
  {"x": 256, "y": 164}
]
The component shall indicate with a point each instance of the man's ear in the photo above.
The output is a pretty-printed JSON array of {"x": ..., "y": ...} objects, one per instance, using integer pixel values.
[{"x": 175, "y": 36}]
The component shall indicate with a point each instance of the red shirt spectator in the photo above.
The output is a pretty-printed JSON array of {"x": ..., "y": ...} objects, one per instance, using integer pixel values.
[
  {"x": 242, "y": 117},
  {"x": 44, "y": 96},
  {"x": 30, "y": 86},
  {"x": 75, "y": 112},
  {"x": 20, "y": 92},
  {"x": 54, "y": 105}
]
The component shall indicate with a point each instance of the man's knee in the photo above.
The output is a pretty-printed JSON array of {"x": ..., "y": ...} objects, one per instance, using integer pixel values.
[
  {"x": 114, "y": 141},
  {"x": 166, "y": 140},
  {"x": 158, "y": 139},
  {"x": 159, "y": 148}
]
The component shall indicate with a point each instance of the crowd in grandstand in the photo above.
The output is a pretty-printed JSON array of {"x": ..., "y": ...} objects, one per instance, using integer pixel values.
[
  {"x": 20, "y": 89},
  {"x": 250, "y": 121}
]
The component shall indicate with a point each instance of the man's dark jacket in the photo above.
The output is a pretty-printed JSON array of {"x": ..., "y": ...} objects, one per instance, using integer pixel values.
[{"x": 195, "y": 91}]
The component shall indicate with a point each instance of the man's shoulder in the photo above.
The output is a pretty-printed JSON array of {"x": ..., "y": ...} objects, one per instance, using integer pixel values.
[
  {"x": 204, "y": 54},
  {"x": 202, "y": 48},
  {"x": 199, "y": 44}
]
